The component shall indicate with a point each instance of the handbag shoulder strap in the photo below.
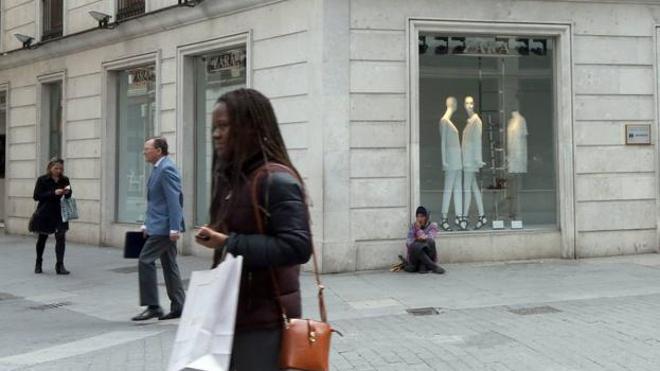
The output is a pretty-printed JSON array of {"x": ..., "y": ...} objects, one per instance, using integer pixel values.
[{"x": 262, "y": 230}]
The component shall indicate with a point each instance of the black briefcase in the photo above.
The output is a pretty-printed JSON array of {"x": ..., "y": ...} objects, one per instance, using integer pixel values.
[{"x": 133, "y": 244}]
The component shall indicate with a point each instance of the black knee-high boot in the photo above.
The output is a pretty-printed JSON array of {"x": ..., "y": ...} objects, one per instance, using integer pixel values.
[
  {"x": 59, "y": 254},
  {"x": 41, "y": 245}
]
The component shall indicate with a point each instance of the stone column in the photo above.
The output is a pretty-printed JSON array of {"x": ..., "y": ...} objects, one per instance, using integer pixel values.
[{"x": 330, "y": 79}]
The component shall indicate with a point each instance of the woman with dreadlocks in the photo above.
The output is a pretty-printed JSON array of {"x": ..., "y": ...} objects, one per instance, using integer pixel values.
[{"x": 258, "y": 211}]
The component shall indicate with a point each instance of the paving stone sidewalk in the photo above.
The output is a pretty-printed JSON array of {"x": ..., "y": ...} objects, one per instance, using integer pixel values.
[{"x": 595, "y": 314}]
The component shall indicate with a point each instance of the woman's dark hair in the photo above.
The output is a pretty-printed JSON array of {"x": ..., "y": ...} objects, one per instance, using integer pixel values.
[
  {"x": 52, "y": 162},
  {"x": 253, "y": 135}
]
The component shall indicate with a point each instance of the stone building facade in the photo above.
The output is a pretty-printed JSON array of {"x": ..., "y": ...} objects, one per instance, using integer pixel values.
[{"x": 359, "y": 87}]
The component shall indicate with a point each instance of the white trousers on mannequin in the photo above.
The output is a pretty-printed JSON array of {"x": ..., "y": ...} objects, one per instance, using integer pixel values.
[
  {"x": 472, "y": 188},
  {"x": 514, "y": 182},
  {"x": 453, "y": 184}
]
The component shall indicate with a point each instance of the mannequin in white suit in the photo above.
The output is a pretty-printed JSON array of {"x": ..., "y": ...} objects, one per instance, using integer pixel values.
[
  {"x": 472, "y": 162},
  {"x": 516, "y": 150},
  {"x": 516, "y": 144},
  {"x": 452, "y": 166}
]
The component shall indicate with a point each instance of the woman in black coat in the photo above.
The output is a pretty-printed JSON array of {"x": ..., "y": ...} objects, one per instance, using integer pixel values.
[
  {"x": 254, "y": 172},
  {"x": 47, "y": 218}
]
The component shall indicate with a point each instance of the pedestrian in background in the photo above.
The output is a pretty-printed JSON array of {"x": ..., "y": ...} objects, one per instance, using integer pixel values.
[
  {"x": 47, "y": 219},
  {"x": 162, "y": 228},
  {"x": 252, "y": 163},
  {"x": 420, "y": 244}
]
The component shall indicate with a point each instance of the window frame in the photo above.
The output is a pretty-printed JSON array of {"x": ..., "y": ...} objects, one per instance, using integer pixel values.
[
  {"x": 563, "y": 116},
  {"x": 111, "y": 70},
  {"x": 2, "y": 30},
  {"x": 43, "y": 112},
  {"x": 4, "y": 87},
  {"x": 43, "y": 21},
  {"x": 186, "y": 108},
  {"x": 117, "y": 9}
]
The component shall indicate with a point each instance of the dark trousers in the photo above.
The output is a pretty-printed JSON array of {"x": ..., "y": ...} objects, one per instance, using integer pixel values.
[
  {"x": 256, "y": 350},
  {"x": 422, "y": 252},
  {"x": 160, "y": 247},
  {"x": 59, "y": 246}
]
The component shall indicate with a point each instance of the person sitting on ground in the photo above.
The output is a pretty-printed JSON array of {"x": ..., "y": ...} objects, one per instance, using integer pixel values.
[{"x": 422, "y": 255}]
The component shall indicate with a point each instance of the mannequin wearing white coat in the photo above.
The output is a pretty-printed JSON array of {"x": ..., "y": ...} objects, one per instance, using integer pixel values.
[
  {"x": 516, "y": 144},
  {"x": 452, "y": 165},
  {"x": 472, "y": 162},
  {"x": 516, "y": 149}
]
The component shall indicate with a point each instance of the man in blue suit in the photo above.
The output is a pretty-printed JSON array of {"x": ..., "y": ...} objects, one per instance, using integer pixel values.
[{"x": 163, "y": 227}]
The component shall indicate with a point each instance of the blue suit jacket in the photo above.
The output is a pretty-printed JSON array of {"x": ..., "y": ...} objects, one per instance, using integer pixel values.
[{"x": 164, "y": 200}]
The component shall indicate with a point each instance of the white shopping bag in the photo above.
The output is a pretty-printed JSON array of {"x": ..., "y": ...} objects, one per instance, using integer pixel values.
[{"x": 206, "y": 329}]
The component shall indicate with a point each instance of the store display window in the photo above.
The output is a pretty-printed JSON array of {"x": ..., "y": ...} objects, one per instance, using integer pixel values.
[
  {"x": 487, "y": 131},
  {"x": 136, "y": 111}
]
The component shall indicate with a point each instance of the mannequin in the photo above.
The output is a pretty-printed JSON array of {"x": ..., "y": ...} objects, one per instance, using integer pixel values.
[
  {"x": 472, "y": 162},
  {"x": 516, "y": 144},
  {"x": 451, "y": 165},
  {"x": 516, "y": 149}
]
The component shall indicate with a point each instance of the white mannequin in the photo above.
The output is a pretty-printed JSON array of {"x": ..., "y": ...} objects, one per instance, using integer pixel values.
[
  {"x": 452, "y": 164},
  {"x": 472, "y": 161},
  {"x": 516, "y": 143},
  {"x": 516, "y": 149}
]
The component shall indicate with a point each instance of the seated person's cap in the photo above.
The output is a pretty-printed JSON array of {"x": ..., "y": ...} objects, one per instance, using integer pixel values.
[{"x": 421, "y": 210}]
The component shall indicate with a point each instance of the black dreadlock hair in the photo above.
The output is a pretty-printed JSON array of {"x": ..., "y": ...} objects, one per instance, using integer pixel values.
[{"x": 253, "y": 133}]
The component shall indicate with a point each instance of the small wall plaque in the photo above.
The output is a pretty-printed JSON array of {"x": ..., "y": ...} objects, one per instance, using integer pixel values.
[
  {"x": 516, "y": 224},
  {"x": 498, "y": 224},
  {"x": 639, "y": 134}
]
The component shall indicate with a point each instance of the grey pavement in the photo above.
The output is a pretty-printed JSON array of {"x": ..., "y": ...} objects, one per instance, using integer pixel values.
[{"x": 594, "y": 314}]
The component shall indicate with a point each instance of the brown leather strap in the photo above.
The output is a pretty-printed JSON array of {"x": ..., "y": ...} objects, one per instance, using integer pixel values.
[{"x": 262, "y": 230}]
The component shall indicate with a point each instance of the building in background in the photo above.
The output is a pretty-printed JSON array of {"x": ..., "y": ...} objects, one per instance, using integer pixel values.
[{"x": 564, "y": 92}]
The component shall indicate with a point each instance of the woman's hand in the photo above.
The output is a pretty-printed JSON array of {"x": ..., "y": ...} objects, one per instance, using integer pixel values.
[
  {"x": 59, "y": 192},
  {"x": 208, "y": 237}
]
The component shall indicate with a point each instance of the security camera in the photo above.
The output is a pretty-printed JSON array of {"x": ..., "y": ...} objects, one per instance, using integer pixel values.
[
  {"x": 24, "y": 39},
  {"x": 102, "y": 18}
]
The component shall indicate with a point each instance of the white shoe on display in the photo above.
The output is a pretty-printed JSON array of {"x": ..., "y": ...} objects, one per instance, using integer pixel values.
[
  {"x": 444, "y": 224},
  {"x": 481, "y": 222},
  {"x": 462, "y": 223}
]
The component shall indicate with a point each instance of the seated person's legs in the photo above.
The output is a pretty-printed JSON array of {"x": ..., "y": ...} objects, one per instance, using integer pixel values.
[
  {"x": 431, "y": 250},
  {"x": 414, "y": 253},
  {"x": 429, "y": 256}
]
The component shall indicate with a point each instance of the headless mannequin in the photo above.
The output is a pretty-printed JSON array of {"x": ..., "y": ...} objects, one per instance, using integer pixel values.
[
  {"x": 452, "y": 165},
  {"x": 516, "y": 145},
  {"x": 472, "y": 162}
]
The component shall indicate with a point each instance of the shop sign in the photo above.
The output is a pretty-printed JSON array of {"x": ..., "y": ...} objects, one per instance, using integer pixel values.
[
  {"x": 483, "y": 46},
  {"x": 638, "y": 134},
  {"x": 227, "y": 66},
  {"x": 139, "y": 80}
]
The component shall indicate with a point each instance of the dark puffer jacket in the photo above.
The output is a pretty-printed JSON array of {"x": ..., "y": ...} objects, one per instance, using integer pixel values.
[{"x": 286, "y": 244}]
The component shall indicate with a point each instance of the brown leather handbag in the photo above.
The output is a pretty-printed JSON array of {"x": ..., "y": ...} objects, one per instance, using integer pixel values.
[{"x": 305, "y": 343}]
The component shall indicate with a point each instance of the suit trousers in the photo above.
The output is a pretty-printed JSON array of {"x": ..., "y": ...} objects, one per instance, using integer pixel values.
[{"x": 154, "y": 248}]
